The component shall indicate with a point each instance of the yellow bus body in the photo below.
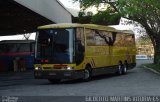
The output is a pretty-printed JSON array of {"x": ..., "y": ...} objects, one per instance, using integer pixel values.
[{"x": 98, "y": 57}]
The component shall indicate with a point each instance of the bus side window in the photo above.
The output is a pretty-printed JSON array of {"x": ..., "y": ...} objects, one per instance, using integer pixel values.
[
  {"x": 90, "y": 37},
  {"x": 120, "y": 40},
  {"x": 130, "y": 40},
  {"x": 105, "y": 38}
]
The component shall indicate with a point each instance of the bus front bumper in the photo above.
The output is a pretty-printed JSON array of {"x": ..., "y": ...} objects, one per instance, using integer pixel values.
[{"x": 58, "y": 74}]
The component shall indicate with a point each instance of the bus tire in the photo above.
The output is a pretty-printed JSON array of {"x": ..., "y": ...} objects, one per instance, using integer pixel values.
[
  {"x": 54, "y": 80},
  {"x": 87, "y": 74},
  {"x": 125, "y": 67},
  {"x": 120, "y": 68}
]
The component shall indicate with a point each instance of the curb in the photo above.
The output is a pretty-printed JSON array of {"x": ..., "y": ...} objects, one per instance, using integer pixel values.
[{"x": 152, "y": 70}]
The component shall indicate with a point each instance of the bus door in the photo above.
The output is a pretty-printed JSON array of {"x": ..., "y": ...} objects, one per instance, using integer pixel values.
[{"x": 79, "y": 45}]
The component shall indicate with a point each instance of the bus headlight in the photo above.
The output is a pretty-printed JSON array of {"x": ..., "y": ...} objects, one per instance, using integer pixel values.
[
  {"x": 69, "y": 68},
  {"x": 38, "y": 68}
]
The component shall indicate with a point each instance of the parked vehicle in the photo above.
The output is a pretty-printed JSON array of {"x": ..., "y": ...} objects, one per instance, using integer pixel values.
[
  {"x": 17, "y": 55},
  {"x": 142, "y": 57}
]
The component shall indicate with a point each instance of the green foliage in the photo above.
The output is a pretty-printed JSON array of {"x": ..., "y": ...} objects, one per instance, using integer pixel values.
[
  {"x": 84, "y": 19},
  {"x": 106, "y": 18},
  {"x": 81, "y": 14},
  {"x": 87, "y": 3},
  {"x": 143, "y": 40},
  {"x": 139, "y": 9},
  {"x": 102, "y": 18}
]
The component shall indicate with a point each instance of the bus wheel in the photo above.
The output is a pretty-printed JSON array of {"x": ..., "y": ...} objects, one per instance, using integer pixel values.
[
  {"x": 120, "y": 69},
  {"x": 87, "y": 74},
  {"x": 54, "y": 80},
  {"x": 125, "y": 67}
]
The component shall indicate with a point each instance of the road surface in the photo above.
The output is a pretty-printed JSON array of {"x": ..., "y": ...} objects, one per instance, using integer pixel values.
[{"x": 138, "y": 82}]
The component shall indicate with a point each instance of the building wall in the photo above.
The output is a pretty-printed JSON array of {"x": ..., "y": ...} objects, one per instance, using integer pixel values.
[{"x": 145, "y": 49}]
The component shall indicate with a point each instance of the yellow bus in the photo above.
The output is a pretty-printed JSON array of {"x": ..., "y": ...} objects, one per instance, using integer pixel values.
[{"x": 72, "y": 51}]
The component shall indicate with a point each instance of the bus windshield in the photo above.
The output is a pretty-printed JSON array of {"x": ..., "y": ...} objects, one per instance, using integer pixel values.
[{"x": 55, "y": 45}]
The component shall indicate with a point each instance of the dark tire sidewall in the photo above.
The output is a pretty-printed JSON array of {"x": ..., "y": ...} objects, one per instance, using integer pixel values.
[{"x": 88, "y": 71}]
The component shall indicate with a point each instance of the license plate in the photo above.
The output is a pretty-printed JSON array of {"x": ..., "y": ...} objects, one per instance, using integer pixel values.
[{"x": 52, "y": 73}]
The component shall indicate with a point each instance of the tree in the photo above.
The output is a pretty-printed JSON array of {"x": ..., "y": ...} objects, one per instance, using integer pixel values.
[
  {"x": 143, "y": 40},
  {"x": 145, "y": 12},
  {"x": 83, "y": 18},
  {"x": 107, "y": 17}
]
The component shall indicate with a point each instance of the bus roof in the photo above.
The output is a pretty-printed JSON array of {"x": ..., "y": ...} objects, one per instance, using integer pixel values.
[
  {"x": 16, "y": 41},
  {"x": 91, "y": 26}
]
